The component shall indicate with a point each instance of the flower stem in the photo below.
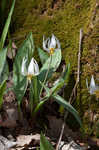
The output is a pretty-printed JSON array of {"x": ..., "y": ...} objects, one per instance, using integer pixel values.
[
  {"x": 46, "y": 74},
  {"x": 31, "y": 97}
]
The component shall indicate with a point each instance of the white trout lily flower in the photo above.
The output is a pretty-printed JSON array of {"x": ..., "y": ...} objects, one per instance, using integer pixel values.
[
  {"x": 32, "y": 70},
  {"x": 93, "y": 87},
  {"x": 51, "y": 45}
]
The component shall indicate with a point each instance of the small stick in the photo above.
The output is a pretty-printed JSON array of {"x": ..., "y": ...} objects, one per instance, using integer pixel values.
[
  {"x": 78, "y": 70},
  {"x": 74, "y": 89}
]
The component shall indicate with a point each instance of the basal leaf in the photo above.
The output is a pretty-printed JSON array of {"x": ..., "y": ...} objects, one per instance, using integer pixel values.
[
  {"x": 44, "y": 143},
  {"x": 34, "y": 93},
  {"x": 54, "y": 62},
  {"x": 38, "y": 107},
  {"x": 2, "y": 90},
  {"x": 6, "y": 27},
  {"x": 5, "y": 72},
  {"x": 43, "y": 55},
  {"x": 35, "y": 89},
  {"x": 68, "y": 106},
  {"x": 20, "y": 82},
  {"x": 66, "y": 73},
  {"x": 46, "y": 89},
  {"x": 3, "y": 54},
  {"x": 62, "y": 80},
  {"x": 20, "y": 89},
  {"x": 26, "y": 50}
]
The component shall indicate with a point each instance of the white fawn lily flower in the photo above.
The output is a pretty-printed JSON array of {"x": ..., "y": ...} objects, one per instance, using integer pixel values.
[
  {"x": 32, "y": 70},
  {"x": 93, "y": 87},
  {"x": 51, "y": 45}
]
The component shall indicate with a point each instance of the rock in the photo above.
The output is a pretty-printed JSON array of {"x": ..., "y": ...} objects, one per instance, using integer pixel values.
[
  {"x": 6, "y": 144},
  {"x": 71, "y": 146},
  {"x": 23, "y": 140},
  {"x": 11, "y": 116}
]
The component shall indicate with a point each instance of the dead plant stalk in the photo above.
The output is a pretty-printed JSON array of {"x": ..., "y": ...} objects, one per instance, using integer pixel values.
[{"x": 73, "y": 94}]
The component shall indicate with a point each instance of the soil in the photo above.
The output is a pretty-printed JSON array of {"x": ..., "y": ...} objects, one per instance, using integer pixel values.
[{"x": 23, "y": 129}]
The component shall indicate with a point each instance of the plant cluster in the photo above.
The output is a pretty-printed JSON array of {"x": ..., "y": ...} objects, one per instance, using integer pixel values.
[
  {"x": 28, "y": 74},
  {"x": 26, "y": 71}
]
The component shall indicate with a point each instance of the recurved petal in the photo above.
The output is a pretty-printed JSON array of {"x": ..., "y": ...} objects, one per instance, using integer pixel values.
[
  {"x": 92, "y": 82},
  {"x": 92, "y": 90},
  {"x": 31, "y": 67},
  {"x": 36, "y": 68},
  {"x": 53, "y": 41},
  {"x": 45, "y": 44}
]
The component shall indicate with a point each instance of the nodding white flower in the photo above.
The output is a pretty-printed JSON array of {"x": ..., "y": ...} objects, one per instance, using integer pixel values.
[
  {"x": 93, "y": 87},
  {"x": 32, "y": 70},
  {"x": 51, "y": 45}
]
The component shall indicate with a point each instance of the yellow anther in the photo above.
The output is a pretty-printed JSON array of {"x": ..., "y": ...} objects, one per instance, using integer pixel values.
[
  {"x": 52, "y": 50},
  {"x": 29, "y": 77}
]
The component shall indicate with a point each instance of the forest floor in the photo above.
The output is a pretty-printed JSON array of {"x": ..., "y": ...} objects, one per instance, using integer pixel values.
[{"x": 26, "y": 133}]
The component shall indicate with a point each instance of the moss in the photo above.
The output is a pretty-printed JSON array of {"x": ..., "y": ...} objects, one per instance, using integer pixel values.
[
  {"x": 64, "y": 19},
  {"x": 64, "y": 23}
]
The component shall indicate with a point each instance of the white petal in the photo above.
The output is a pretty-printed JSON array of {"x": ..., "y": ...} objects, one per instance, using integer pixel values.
[
  {"x": 92, "y": 86},
  {"x": 36, "y": 68},
  {"x": 31, "y": 67},
  {"x": 45, "y": 42},
  {"x": 23, "y": 68},
  {"x": 53, "y": 41},
  {"x": 92, "y": 83}
]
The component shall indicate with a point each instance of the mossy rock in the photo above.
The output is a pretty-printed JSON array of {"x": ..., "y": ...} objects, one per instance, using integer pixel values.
[
  {"x": 64, "y": 18},
  {"x": 65, "y": 21}
]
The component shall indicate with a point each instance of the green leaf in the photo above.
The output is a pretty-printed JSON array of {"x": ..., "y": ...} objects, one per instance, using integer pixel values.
[
  {"x": 44, "y": 143},
  {"x": 34, "y": 93},
  {"x": 3, "y": 54},
  {"x": 26, "y": 50},
  {"x": 43, "y": 55},
  {"x": 57, "y": 86},
  {"x": 5, "y": 72},
  {"x": 38, "y": 107},
  {"x": 20, "y": 82},
  {"x": 46, "y": 89},
  {"x": 68, "y": 106},
  {"x": 66, "y": 73},
  {"x": 20, "y": 89},
  {"x": 54, "y": 61},
  {"x": 2, "y": 90},
  {"x": 35, "y": 90},
  {"x": 62, "y": 80},
  {"x": 6, "y": 27}
]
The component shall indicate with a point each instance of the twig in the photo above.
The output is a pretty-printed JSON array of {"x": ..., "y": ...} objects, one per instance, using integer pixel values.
[
  {"x": 78, "y": 71},
  {"x": 74, "y": 89}
]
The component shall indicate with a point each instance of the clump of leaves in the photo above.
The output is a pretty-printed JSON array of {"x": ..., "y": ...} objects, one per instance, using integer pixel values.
[
  {"x": 38, "y": 82},
  {"x": 3, "y": 53}
]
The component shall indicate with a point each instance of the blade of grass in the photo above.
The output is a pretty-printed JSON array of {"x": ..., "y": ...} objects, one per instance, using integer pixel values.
[
  {"x": 6, "y": 27},
  {"x": 2, "y": 90}
]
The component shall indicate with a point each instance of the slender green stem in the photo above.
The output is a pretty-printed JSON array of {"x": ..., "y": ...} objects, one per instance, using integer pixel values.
[
  {"x": 31, "y": 97},
  {"x": 46, "y": 74},
  {"x": 35, "y": 88}
]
